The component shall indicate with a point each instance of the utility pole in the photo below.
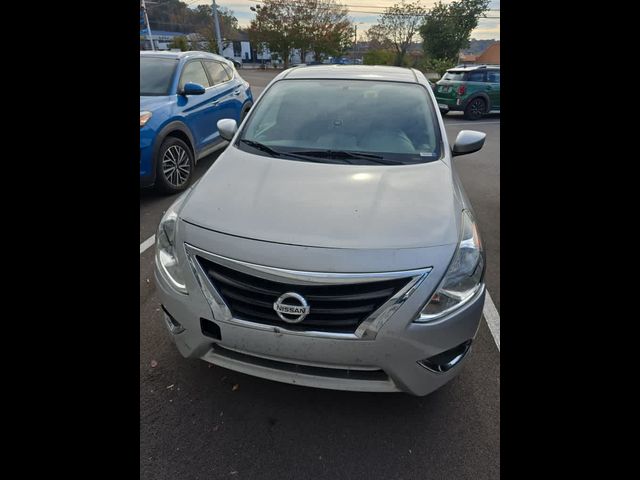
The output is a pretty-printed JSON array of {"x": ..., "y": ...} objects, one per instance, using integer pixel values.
[
  {"x": 355, "y": 46},
  {"x": 146, "y": 19},
  {"x": 216, "y": 24}
]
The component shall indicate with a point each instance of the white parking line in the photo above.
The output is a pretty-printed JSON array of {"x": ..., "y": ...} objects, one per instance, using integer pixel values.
[
  {"x": 492, "y": 317},
  {"x": 147, "y": 243}
]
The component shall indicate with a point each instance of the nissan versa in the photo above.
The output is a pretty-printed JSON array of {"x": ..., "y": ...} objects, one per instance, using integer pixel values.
[{"x": 331, "y": 244}]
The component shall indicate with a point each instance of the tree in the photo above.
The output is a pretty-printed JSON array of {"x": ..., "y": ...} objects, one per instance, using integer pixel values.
[
  {"x": 324, "y": 28},
  {"x": 398, "y": 25},
  {"x": 278, "y": 25},
  {"x": 377, "y": 38},
  {"x": 203, "y": 18},
  {"x": 440, "y": 66},
  {"x": 321, "y": 26},
  {"x": 378, "y": 57},
  {"x": 180, "y": 42},
  {"x": 447, "y": 28},
  {"x": 176, "y": 16}
]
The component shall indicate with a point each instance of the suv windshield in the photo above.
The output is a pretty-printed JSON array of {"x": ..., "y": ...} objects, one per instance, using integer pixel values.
[
  {"x": 455, "y": 76},
  {"x": 156, "y": 75},
  {"x": 344, "y": 121}
]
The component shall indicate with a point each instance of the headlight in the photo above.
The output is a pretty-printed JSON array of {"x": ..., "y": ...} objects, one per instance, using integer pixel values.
[
  {"x": 144, "y": 118},
  {"x": 463, "y": 278},
  {"x": 166, "y": 255}
]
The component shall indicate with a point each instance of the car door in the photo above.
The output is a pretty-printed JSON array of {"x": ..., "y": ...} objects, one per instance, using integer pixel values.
[
  {"x": 475, "y": 82},
  {"x": 198, "y": 111},
  {"x": 493, "y": 88},
  {"x": 227, "y": 91}
]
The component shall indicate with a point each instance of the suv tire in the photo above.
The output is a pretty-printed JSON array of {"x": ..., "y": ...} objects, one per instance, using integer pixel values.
[
  {"x": 174, "y": 166},
  {"x": 475, "y": 109}
]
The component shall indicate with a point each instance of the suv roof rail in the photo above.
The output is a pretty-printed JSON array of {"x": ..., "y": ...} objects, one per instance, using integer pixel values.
[{"x": 474, "y": 65}]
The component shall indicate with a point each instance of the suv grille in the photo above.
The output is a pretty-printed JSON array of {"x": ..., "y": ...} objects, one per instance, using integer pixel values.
[{"x": 333, "y": 308}]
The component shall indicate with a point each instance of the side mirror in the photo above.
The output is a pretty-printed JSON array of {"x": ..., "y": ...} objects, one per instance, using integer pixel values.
[
  {"x": 193, "y": 89},
  {"x": 227, "y": 128},
  {"x": 468, "y": 141}
]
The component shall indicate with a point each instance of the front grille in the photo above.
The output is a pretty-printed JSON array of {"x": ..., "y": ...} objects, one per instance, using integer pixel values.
[{"x": 333, "y": 308}]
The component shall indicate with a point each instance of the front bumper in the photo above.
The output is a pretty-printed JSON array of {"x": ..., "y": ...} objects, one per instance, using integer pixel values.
[
  {"x": 387, "y": 363},
  {"x": 147, "y": 171}
]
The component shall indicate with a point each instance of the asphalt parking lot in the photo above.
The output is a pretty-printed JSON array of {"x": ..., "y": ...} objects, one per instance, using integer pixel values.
[{"x": 199, "y": 421}]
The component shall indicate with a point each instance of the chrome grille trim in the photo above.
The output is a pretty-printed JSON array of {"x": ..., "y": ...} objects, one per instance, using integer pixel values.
[{"x": 367, "y": 330}]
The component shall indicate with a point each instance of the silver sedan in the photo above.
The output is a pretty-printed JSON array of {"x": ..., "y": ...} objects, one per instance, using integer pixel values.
[{"x": 331, "y": 244}]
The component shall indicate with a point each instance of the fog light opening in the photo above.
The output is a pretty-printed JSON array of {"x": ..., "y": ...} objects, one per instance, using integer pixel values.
[
  {"x": 210, "y": 329},
  {"x": 446, "y": 360},
  {"x": 172, "y": 324}
]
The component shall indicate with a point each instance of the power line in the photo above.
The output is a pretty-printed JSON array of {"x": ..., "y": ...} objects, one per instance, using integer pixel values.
[
  {"x": 411, "y": 14},
  {"x": 295, "y": 3},
  {"x": 302, "y": 3}
]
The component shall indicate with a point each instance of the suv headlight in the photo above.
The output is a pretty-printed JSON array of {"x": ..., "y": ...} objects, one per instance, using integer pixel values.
[
  {"x": 464, "y": 275},
  {"x": 166, "y": 254},
  {"x": 144, "y": 118}
]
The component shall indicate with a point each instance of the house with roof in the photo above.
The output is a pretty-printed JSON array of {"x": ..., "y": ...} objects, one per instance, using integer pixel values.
[{"x": 491, "y": 56}]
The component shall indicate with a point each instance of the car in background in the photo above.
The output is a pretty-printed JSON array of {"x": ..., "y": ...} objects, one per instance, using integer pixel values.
[
  {"x": 472, "y": 89},
  {"x": 182, "y": 97},
  {"x": 331, "y": 244}
]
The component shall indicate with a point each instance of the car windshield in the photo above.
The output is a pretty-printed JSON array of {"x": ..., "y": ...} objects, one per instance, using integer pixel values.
[
  {"x": 455, "y": 76},
  {"x": 156, "y": 75},
  {"x": 344, "y": 121}
]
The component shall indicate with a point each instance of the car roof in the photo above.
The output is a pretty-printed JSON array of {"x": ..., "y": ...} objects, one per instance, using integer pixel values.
[
  {"x": 354, "y": 72},
  {"x": 467, "y": 68},
  {"x": 180, "y": 55}
]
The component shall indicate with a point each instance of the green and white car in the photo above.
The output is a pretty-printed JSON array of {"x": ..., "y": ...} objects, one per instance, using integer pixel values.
[{"x": 472, "y": 89}]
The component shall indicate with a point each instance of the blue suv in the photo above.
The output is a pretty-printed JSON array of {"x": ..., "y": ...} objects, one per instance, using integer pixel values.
[{"x": 182, "y": 97}]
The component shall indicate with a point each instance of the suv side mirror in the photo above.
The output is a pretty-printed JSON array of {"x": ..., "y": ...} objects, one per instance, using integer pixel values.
[
  {"x": 227, "y": 128},
  {"x": 468, "y": 141},
  {"x": 193, "y": 89}
]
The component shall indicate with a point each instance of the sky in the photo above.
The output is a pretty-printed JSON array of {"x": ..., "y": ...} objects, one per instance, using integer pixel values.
[{"x": 488, "y": 28}]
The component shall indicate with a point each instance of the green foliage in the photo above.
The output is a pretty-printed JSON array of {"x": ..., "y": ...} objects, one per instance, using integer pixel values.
[
  {"x": 447, "y": 27},
  {"x": 398, "y": 26},
  {"x": 440, "y": 65},
  {"x": 207, "y": 41},
  {"x": 321, "y": 26},
  {"x": 180, "y": 42},
  {"x": 176, "y": 16},
  {"x": 276, "y": 25},
  {"x": 379, "y": 57}
]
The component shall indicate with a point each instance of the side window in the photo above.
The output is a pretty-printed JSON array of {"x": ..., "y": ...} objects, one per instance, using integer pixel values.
[
  {"x": 493, "y": 76},
  {"x": 228, "y": 69},
  {"x": 194, "y": 73},
  {"x": 475, "y": 77},
  {"x": 216, "y": 71}
]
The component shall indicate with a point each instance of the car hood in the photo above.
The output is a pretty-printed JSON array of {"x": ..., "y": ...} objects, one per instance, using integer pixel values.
[
  {"x": 154, "y": 102},
  {"x": 325, "y": 205}
]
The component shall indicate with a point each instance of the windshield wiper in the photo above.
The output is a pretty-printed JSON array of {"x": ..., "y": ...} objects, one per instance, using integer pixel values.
[
  {"x": 345, "y": 155},
  {"x": 278, "y": 153},
  {"x": 262, "y": 147}
]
